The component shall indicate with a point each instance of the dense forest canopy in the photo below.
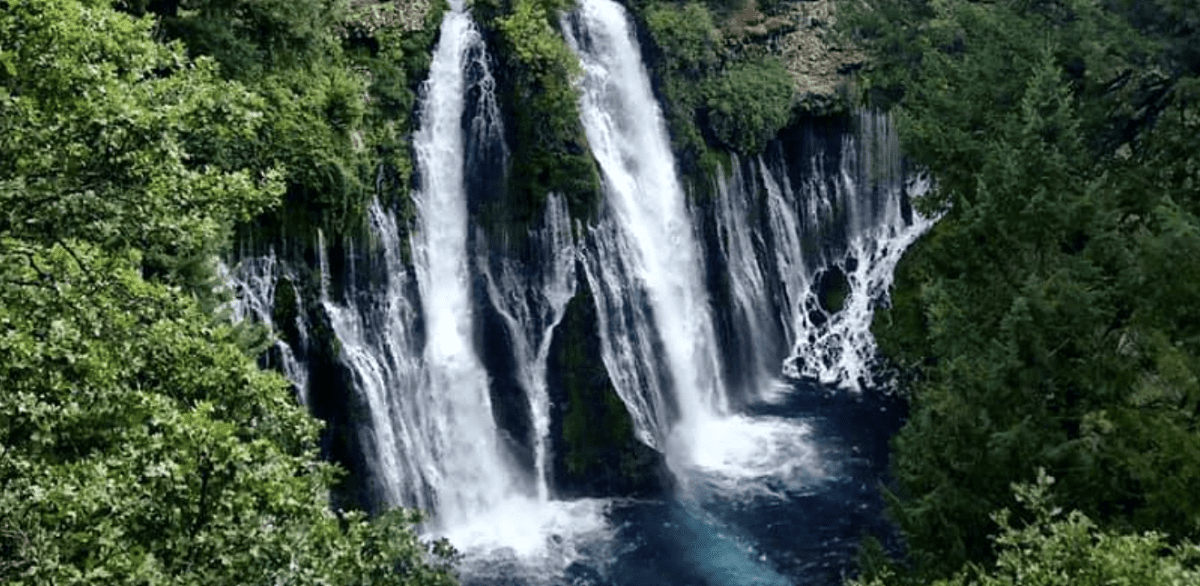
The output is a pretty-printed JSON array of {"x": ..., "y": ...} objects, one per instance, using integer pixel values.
[
  {"x": 139, "y": 441},
  {"x": 1050, "y": 320}
]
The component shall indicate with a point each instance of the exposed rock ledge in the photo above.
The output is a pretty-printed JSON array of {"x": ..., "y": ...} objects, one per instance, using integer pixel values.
[
  {"x": 369, "y": 16},
  {"x": 801, "y": 32}
]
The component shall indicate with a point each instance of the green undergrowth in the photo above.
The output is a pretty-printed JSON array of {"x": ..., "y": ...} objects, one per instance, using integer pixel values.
[
  {"x": 338, "y": 95},
  {"x": 536, "y": 76},
  {"x": 716, "y": 99}
]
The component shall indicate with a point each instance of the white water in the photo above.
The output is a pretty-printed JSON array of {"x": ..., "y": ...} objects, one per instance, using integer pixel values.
[
  {"x": 253, "y": 282},
  {"x": 474, "y": 476},
  {"x": 409, "y": 341},
  {"x": 377, "y": 341},
  {"x": 742, "y": 247},
  {"x": 841, "y": 351},
  {"x": 643, "y": 256},
  {"x": 532, "y": 301},
  {"x": 846, "y": 216},
  {"x": 481, "y": 507}
]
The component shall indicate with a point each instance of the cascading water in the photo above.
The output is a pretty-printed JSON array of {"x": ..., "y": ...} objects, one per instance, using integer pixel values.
[
  {"x": 254, "y": 281},
  {"x": 756, "y": 344},
  {"x": 474, "y": 477},
  {"x": 430, "y": 437},
  {"x": 408, "y": 318},
  {"x": 835, "y": 242},
  {"x": 643, "y": 260},
  {"x": 867, "y": 201},
  {"x": 532, "y": 302},
  {"x": 379, "y": 345}
]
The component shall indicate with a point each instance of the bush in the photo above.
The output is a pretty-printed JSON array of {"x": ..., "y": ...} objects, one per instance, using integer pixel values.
[
  {"x": 1070, "y": 550},
  {"x": 748, "y": 103},
  {"x": 686, "y": 36}
]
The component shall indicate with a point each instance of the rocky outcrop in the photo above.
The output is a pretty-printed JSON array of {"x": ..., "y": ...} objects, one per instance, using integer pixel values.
[
  {"x": 370, "y": 16},
  {"x": 802, "y": 33},
  {"x": 595, "y": 453}
]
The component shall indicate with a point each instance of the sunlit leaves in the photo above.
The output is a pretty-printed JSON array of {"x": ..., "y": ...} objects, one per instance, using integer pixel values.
[{"x": 139, "y": 441}]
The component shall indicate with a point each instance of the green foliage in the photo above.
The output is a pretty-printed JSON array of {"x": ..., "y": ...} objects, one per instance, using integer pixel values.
[
  {"x": 141, "y": 445},
  {"x": 538, "y": 93},
  {"x": 139, "y": 442},
  {"x": 1054, "y": 549},
  {"x": 97, "y": 120},
  {"x": 324, "y": 125},
  {"x": 712, "y": 99},
  {"x": 250, "y": 37},
  {"x": 533, "y": 42},
  {"x": 686, "y": 36},
  {"x": 749, "y": 103},
  {"x": 1044, "y": 321}
]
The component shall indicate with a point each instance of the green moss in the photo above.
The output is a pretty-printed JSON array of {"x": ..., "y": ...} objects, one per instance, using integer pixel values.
[
  {"x": 715, "y": 99},
  {"x": 285, "y": 311},
  {"x": 597, "y": 431},
  {"x": 540, "y": 104}
]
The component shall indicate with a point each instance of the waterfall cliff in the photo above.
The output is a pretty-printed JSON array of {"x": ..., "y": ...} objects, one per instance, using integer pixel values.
[{"x": 487, "y": 382}]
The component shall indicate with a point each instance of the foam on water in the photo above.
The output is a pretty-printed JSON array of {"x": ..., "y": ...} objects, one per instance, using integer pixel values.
[
  {"x": 530, "y": 539},
  {"x": 743, "y": 457}
]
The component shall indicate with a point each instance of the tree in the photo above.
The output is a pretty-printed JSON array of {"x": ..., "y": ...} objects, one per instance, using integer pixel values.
[
  {"x": 96, "y": 118},
  {"x": 142, "y": 445},
  {"x": 1054, "y": 549},
  {"x": 139, "y": 442},
  {"x": 1035, "y": 316}
]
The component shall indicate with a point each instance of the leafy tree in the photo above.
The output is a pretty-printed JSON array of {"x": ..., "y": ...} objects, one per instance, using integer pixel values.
[
  {"x": 685, "y": 35},
  {"x": 96, "y": 118},
  {"x": 339, "y": 96},
  {"x": 141, "y": 445},
  {"x": 139, "y": 442},
  {"x": 1054, "y": 549}
]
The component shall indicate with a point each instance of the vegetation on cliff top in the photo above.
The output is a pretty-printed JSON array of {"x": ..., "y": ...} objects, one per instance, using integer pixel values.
[
  {"x": 715, "y": 99},
  {"x": 541, "y": 105}
]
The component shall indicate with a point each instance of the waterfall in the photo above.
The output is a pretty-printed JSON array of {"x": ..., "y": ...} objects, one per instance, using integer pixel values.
[
  {"x": 379, "y": 345},
  {"x": 756, "y": 344},
  {"x": 427, "y": 424},
  {"x": 254, "y": 283},
  {"x": 474, "y": 476},
  {"x": 835, "y": 242},
  {"x": 643, "y": 258},
  {"x": 532, "y": 301},
  {"x": 831, "y": 345}
]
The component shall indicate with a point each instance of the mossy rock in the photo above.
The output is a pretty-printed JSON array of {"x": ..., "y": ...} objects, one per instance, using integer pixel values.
[{"x": 595, "y": 451}]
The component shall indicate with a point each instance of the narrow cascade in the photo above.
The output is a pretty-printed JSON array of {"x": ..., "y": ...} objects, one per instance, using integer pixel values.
[
  {"x": 378, "y": 344},
  {"x": 756, "y": 346},
  {"x": 472, "y": 477},
  {"x": 254, "y": 282},
  {"x": 643, "y": 260},
  {"x": 532, "y": 303}
]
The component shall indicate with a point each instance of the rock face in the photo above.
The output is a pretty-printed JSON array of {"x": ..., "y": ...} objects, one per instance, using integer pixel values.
[
  {"x": 802, "y": 33},
  {"x": 372, "y": 15},
  {"x": 595, "y": 453}
]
